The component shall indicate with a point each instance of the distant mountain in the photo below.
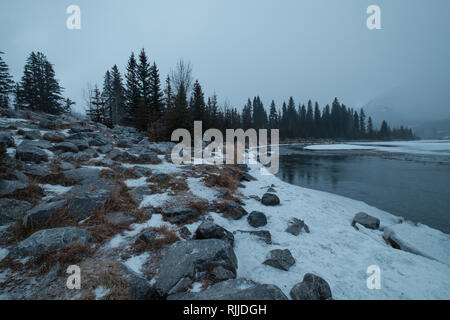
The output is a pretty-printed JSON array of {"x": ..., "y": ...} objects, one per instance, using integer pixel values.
[{"x": 423, "y": 107}]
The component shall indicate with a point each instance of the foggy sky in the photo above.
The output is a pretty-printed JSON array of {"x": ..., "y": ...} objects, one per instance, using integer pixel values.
[{"x": 314, "y": 49}]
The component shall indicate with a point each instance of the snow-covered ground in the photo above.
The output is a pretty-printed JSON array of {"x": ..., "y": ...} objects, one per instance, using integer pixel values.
[{"x": 427, "y": 147}]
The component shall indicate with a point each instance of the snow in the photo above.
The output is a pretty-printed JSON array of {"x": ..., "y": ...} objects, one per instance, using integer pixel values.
[
  {"x": 421, "y": 239},
  {"x": 199, "y": 189},
  {"x": 334, "y": 249},
  {"x": 135, "y": 263},
  {"x": 133, "y": 183},
  {"x": 196, "y": 287},
  {"x": 55, "y": 189},
  {"x": 424, "y": 147},
  {"x": 163, "y": 167},
  {"x": 155, "y": 200},
  {"x": 337, "y": 146},
  {"x": 101, "y": 292}
]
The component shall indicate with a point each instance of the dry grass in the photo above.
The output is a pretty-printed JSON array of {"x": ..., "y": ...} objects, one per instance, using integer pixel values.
[
  {"x": 107, "y": 274},
  {"x": 32, "y": 193},
  {"x": 227, "y": 177},
  {"x": 167, "y": 236},
  {"x": 128, "y": 173},
  {"x": 169, "y": 182},
  {"x": 56, "y": 177}
]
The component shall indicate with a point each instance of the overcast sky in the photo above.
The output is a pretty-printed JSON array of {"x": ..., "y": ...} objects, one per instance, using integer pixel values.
[{"x": 314, "y": 49}]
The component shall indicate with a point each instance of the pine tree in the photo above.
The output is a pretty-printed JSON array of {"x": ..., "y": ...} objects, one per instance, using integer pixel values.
[
  {"x": 385, "y": 131},
  {"x": 362, "y": 123},
  {"x": 6, "y": 84},
  {"x": 273, "y": 116},
  {"x": 132, "y": 93},
  {"x": 39, "y": 90},
  {"x": 144, "y": 79},
  {"x": 107, "y": 95},
  {"x": 317, "y": 121},
  {"x": 156, "y": 105},
  {"x": 247, "y": 115},
  {"x": 97, "y": 110},
  {"x": 117, "y": 112},
  {"x": 178, "y": 116},
  {"x": 370, "y": 132},
  {"x": 198, "y": 103},
  {"x": 68, "y": 105}
]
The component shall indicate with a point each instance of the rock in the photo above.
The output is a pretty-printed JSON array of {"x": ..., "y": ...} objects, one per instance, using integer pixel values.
[
  {"x": 148, "y": 236},
  {"x": 270, "y": 199},
  {"x": 119, "y": 218},
  {"x": 32, "y": 135},
  {"x": 139, "y": 193},
  {"x": 20, "y": 176},
  {"x": 47, "y": 124},
  {"x": 41, "y": 144},
  {"x": 232, "y": 210},
  {"x": 7, "y": 139},
  {"x": 296, "y": 226},
  {"x": 26, "y": 152},
  {"x": 184, "y": 262},
  {"x": 236, "y": 289},
  {"x": 54, "y": 136},
  {"x": 64, "y": 166},
  {"x": 40, "y": 214},
  {"x": 148, "y": 157},
  {"x": 263, "y": 235},
  {"x": 244, "y": 176},
  {"x": 81, "y": 174},
  {"x": 366, "y": 220},
  {"x": 66, "y": 147},
  {"x": 47, "y": 240},
  {"x": 81, "y": 144},
  {"x": 105, "y": 149},
  {"x": 160, "y": 147},
  {"x": 280, "y": 259},
  {"x": 79, "y": 128},
  {"x": 311, "y": 288},
  {"x": 124, "y": 143},
  {"x": 84, "y": 204},
  {"x": 115, "y": 154},
  {"x": 98, "y": 141},
  {"x": 10, "y": 186},
  {"x": 209, "y": 230},
  {"x": 12, "y": 209},
  {"x": 180, "y": 215},
  {"x": 220, "y": 273},
  {"x": 138, "y": 288},
  {"x": 185, "y": 233},
  {"x": 37, "y": 170},
  {"x": 271, "y": 190},
  {"x": 257, "y": 219}
]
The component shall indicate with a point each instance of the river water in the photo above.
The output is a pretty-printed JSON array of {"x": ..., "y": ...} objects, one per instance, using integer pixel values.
[{"x": 418, "y": 191}]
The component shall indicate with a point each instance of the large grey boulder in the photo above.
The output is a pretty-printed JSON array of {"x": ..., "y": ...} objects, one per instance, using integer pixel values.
[
  {"x": 32, "y": 134},
  {"x": 139, "y": 193},
  {"x": 263, "y": 235},
  {"x": 232, "y": 210},
  {"x": 37, "y": 170},
  {"x": 235, "y": 289},
  {"x": 270, "y": 199},
  {"x": 28, "y": 152},
  {"x": 10, "y": 186},
  {"x": 39, "y": 215},
  {"x": 366, "y": 220},
  {"x": 137, "y": 287},
  {"x": 84, "y": 204},
  {"x": 81, "y": 174},
  {"x": 81, "y": 144},
  {"x": 12, "y": 209},
  {"x": 311, "y": 288},
  {"x": 47, "y": 240},
  {"x": 209, "y": 230},
  {"x": 47, "y": 124},
  {"x": 54, "y": 136},
  {"x": 280, "y": 259},
  {"x": 66, "y": 147},
  {"x": 184, "y": 262},
  {"x": 148, "y": 157},
  {"x": 98, "y": 141},
  {"x": 106, "y": 148},
  {"x": 296, "y": 226},
  {"x": 161, "y": 147},
  {"x": 7, "y": 139},
  {"x": 179, "y": 215},
  {"x": 257, "y": 219}
]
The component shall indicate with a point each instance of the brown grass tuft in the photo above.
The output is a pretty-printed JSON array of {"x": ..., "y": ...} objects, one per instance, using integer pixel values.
[{"x": 32, "y": 193}]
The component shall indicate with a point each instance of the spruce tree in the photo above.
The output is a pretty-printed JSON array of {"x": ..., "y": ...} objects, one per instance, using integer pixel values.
[
  {"x": 370, "y": 132},
  {"x": 144, "y": 79},
  {"x": 117, "y": 111},
  {"x": 6, "y": 84},
  {"x": 97, "y": 112},
  {"x": 107, "y": 95},
  {"x": 156, "y": 105},
  {"x": 247, "y": 115},
  {"x": 362, "y": 123},
  {"x": 132, "y": 93},
  {"x": 273, "y": 116},
  {"x": 39, "y": 90}
]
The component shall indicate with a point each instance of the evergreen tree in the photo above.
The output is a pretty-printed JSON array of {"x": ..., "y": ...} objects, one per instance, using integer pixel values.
[
  {"x": 178, "y": 116},
  {"x": 107, "y": 95},
  {"x": 39, "y": 90},
  {"x": 273, "y": 116},
  {"x": 362, "y": 123},
  {"x": 317, "y": 121},
  {"x": 370, "y": 132},
  {"x": 385, "y": 131},
  {"x": 132, "y": 93},
  {"x": 247, "y": 115},
  {"x": 97, "y": 110},
  {"x": 144, "y": 79},
  {"x": 156, "y": 104},
  {"x": 117, "y": 113},
  {"x": 6, "y": 84}
]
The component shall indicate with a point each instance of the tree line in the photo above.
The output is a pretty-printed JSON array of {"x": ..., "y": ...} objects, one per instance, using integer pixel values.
[{"x": 139, "y": 99}]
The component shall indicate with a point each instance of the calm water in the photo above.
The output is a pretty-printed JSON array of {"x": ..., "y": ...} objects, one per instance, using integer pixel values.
[{"x": 419, "y": 192}]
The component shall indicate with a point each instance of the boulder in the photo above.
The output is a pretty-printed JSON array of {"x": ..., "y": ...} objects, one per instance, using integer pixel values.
[
  {"x": 270, "y": 199},
  {"x": 7, "y": 139},
  {"x": 32, "y": 135},
  {"x": 26, "y": 152},
  {"x": 12, "y": 209},
  {"x": 84, "y": 204},
  {"x": 66, "y": 147},
  {"x": 44, "y": 241},
  {"x": 257, "y": 219},
  {"x": 81, "y": 174},
  {"x": 185, "y": 233},
  {"x": 10, "y": 186},
  {"x": 40, "y": 214},
  {"x": 263, "y": 235},
  {"x": 184, "y": 262},
  {"x": 366, "y": 220},
  {"x": 244, "y": 176},
  {"x": 139, "y": 193},
  {"x": 148, "y": 157},
  {"x": 106, "y": 148},
  {"x": 209, "y": 230},
  {"x": 37, "y": 170},
  {"x": 81, "y": 144},
  {"x": 180, "y": 214},
  {"x": 148, "y": 236},
  {"x": 137, "y": 287},
  {"x": 54, "y": 136},
  {"x": 296, "y": 226},
  {"x": 311, "y": 288},
  {"x": 235, "y": 289},
  {"x": 47, "y": 124},
  {"x": 232, "y": 210},
  {"x": 124, "y": 143},
  {"x": 280, "y": 259},
  {"x": 119, "y": 218}
]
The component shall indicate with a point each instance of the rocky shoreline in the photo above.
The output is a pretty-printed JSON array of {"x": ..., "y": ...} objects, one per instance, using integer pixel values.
[{"x": 74, "y": 192}]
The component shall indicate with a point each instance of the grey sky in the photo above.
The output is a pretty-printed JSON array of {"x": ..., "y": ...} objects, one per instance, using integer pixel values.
[{"x": 314, "y": 49}]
